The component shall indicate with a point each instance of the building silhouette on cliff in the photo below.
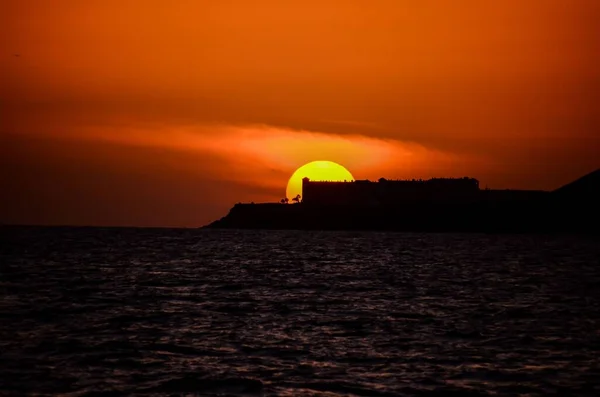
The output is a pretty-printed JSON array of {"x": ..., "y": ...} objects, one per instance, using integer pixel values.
[{"x": 434, "y": 205}]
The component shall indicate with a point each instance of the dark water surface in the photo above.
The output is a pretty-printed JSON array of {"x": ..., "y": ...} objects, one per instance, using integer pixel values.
[{"x": 197, "y": 312}]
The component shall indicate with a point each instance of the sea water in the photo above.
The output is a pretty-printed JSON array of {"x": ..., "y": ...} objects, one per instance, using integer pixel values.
[{"x": 125, "y": 311}]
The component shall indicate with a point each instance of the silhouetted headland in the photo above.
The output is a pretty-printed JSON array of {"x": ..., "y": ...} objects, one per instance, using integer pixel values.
[{"x": 434, "y": 205}]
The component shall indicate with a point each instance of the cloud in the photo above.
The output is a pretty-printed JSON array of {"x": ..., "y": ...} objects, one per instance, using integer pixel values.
[{"x": 266, "y": 155}]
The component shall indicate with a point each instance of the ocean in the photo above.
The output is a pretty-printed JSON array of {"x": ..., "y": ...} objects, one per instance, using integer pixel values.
[{"x": 184, "y": 312}]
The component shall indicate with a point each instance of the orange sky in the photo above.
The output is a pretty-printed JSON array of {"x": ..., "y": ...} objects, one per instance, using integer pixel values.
[{"x": 157, "y": 113}]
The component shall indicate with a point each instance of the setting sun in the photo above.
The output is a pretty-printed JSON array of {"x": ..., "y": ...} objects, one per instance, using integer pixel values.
[{"x": 316, "y": 171}]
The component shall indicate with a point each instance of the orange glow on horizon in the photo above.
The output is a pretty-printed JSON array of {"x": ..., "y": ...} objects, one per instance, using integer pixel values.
[{"x": 263, "y": 155}]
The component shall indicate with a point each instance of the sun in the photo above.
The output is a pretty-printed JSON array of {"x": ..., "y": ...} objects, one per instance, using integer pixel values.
[{"x": 316, "y": 171}]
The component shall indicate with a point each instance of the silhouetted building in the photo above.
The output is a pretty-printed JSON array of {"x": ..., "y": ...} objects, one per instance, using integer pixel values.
[{"x": 389, "y": 192}]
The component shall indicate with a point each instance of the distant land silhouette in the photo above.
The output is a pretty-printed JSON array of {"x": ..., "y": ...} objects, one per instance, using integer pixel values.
[{"x": 434, "y": 205}]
